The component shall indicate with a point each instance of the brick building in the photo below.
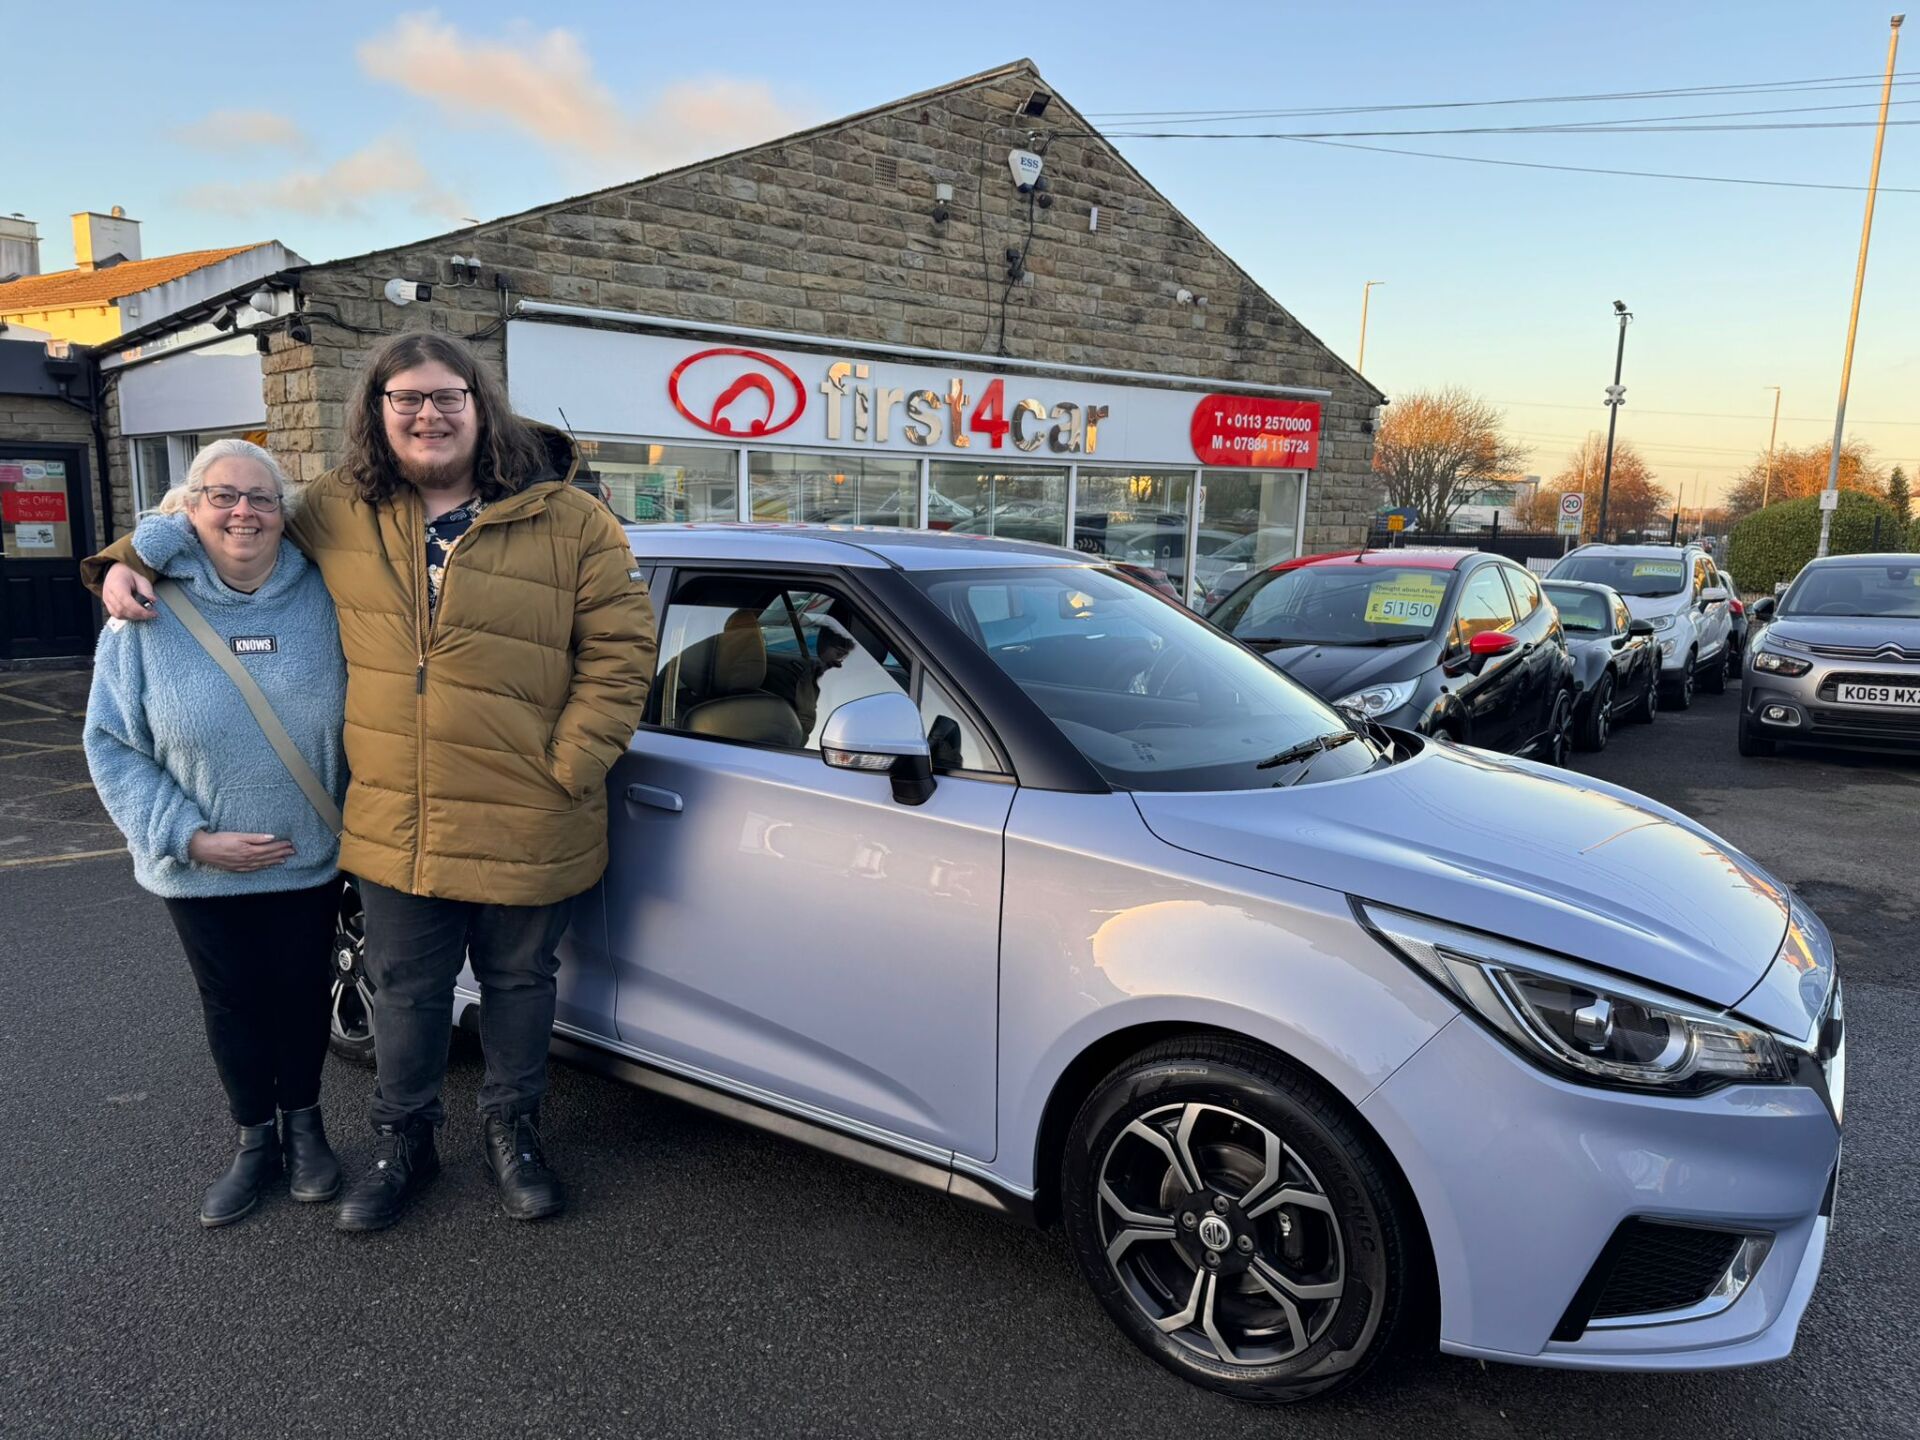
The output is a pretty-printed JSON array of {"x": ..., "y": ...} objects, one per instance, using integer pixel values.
[{"x": 924, "y": 344}]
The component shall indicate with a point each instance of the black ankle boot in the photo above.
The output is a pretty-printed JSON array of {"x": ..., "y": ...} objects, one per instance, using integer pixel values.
[
  {"x": 404, "y": 1163},
  {"x": 238, "y": 1191},
  {"x": 528, "y": 1189},
  {"x": 313, "y": 1174}
]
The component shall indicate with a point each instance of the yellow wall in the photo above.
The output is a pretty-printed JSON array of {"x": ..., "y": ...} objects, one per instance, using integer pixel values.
[{"x": 89, "y": 325}]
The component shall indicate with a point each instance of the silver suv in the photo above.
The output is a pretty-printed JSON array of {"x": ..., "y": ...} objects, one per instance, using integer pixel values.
[
  {"x": 1838, "y": 660},
  {"x": 1679, "y": 591}
]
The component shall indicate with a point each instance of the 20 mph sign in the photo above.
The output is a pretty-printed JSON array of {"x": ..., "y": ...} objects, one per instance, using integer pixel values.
[{"x": 1573, "y": 509}]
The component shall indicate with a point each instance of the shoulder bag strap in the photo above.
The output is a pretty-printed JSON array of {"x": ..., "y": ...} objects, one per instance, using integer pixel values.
[{"x": 270, "y": 726}]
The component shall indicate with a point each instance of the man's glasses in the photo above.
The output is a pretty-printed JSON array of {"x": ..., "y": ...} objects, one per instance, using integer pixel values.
[
  {"x": 223, "y": 497},
  {"x": 450, "y": 401}
]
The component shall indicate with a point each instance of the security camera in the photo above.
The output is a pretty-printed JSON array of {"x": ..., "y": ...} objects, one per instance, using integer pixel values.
[
  {"x": 1619, "y": 307},
  {"x": 1025, "y": 166},
  {"x": 298, "y": 333},
  {"x": 1183, "y": 296},
  {"x": 405, "y": 292},
  {"x": 223, "y": 318}
]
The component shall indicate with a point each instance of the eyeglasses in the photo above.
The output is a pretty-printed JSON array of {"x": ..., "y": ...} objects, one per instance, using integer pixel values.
[
  {"x": 223, "y": 497},
  {"x": 450, "y": 401}
]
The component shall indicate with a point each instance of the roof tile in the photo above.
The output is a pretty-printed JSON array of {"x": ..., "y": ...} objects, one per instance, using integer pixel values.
[{"x": 70, "y": 289}]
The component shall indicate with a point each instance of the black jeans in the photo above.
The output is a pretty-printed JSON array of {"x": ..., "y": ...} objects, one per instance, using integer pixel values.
[
  {"x": 263, "y": 965},
  {"x": 415, "y": 947}
]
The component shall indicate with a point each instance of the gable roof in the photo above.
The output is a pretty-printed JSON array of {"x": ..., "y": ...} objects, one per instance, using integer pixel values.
[{"x": 71, "y": 289}]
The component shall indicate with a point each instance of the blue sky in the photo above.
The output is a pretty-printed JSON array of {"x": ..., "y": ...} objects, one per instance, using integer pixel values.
[{"x": 341, "y": 128}]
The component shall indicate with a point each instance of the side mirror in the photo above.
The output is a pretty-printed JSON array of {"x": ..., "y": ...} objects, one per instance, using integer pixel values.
[
  {"x": 1713, "y": 595},
  {"x": 1640, "y": 627},
  {"x": 882, "y": 734},
  {"x": 1764, "y": 607},
  {"x": 1491, "y": 642}
]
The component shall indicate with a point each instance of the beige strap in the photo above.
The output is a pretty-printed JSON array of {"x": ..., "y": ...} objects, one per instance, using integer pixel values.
[{"x": 269, "y": 722}]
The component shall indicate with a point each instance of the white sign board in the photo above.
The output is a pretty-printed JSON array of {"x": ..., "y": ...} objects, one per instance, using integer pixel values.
[
  {"x": 1573, "y": 509},
  {"x": 33, "y": 537},
  {"x": 1829, "y": 499}
]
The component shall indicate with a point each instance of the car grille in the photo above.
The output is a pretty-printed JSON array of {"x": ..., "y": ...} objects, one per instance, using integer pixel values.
[
  {"x": 1829, "y": 687},
  {"x": 1649, "y": 1267},
  {"x": 1890, "y": 654},
  {"x": 1852, "y": 721}
]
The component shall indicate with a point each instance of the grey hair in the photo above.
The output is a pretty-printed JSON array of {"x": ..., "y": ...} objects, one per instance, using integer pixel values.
[{"x": 177, "y": 500}]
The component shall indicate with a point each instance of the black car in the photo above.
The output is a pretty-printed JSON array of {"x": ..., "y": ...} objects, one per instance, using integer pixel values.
[
  {"x": 1616, "y": 667},
  {"x": 1443, "y": 642}
]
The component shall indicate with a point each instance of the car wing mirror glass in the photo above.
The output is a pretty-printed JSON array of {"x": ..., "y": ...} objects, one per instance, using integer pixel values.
[
  {"x": 881, "y": 734},
  {"x": 1764, "y": 607}
]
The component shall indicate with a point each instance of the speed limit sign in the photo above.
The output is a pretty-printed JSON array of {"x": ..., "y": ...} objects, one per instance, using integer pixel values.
[{"x": 1573, "y": 509}]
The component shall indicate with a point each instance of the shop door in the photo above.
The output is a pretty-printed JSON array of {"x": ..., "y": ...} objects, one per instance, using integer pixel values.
[{"x": 45, "y": 527}]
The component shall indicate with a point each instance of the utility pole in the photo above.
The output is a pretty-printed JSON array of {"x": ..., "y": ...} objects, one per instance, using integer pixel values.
[
  {"x": 1616, "y": 397},
  {"x": 1766, "y": 488},
  {"x": 1366, "y": 294},
  {"x": 1859, "y": 282}
]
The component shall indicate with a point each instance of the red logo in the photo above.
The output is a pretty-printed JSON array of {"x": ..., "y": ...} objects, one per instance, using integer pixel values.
[{"x": 736, "y": 392}]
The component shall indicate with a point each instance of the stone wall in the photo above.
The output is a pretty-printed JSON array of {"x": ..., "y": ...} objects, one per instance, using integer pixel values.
[
  {"x": 830, "y": 233},
  {"x": 43, "y": 420}
]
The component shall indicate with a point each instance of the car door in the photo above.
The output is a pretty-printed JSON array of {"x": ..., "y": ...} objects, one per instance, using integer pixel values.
[
  {"x": 1488, "y": 687},
  {"x": 1718, "y": 613},
  {"x": 1634, "y": 661},
  {"x": 1540, "y": 669},
  {"x": 787, "y": 929}
]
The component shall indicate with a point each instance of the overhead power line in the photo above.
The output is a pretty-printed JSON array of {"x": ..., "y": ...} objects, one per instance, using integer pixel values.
[
  {"x": 1595, "y": 127},
  {"x": 1699, "y": 414}
]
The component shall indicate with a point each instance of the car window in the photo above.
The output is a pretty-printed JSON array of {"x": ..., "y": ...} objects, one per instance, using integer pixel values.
[
  {"x": 1484, "y": 605},
  {"x": 1526, "y": 590},
  {"x": 1582, "y": 612},
  {"x": 956, "y": 741},
  {"x": 1337, "y": 603},
  {"x": 1641, "y": 576},
  {"x": 761, "y": 662},
  {"x": 1622, "y": 617},
  {"x": 1856, "y": 590},
  {"x": 1702, "y": 567}
]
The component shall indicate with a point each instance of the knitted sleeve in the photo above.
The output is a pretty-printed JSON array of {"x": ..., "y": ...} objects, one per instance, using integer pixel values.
[{"x": 145, "y": 801}]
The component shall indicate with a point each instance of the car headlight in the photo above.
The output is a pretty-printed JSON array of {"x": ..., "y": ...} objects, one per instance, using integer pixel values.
[
  {"x": 1377, "y": 700},
  {"x": 1665, "y": 622},
  {"x": 1774, "y": 664},
  {"x": 1578, "y": 1022}
]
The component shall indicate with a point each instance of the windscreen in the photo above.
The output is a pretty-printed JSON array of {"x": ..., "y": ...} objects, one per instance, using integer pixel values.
[
  {"x": 1635, "y": 576},
  {"x": 1337, "y": 603},
  {"x": 1154, "y": 698},
  {"x": 1891, "y": 591}
]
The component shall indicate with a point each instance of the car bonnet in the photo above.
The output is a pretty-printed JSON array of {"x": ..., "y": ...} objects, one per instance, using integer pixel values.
[{"x": 1552, "y": 860}]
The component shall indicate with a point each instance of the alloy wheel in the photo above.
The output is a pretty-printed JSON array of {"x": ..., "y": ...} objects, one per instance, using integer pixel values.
[
  {"x": 350, "y": 1002},
  {"x": 1220, "y": 1234}
]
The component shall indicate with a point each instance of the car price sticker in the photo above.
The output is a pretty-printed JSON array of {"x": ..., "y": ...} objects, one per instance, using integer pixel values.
[
  {"x": 1667, "y": 568},
  {"x": 1407, "y": 600},
  {"x": 1908, "y": 695}
]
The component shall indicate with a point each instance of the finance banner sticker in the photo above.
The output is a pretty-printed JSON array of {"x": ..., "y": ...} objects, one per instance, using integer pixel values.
[{"x": 1405, "y": 600}]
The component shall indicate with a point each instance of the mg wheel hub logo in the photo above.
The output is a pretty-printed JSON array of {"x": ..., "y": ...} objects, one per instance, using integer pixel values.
[{"x": 736, "y": 392}]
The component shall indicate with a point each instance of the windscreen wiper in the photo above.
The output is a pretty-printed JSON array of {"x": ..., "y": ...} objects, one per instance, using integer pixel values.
[{"x": 1307, "y": 749}]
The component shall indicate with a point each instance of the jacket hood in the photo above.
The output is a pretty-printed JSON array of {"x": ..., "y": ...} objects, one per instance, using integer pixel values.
[
  {"x": 171, "y": 547},
  {"x": 1335, "y": 670},
  {"x": 563, "y": 456},
  {"x": 1552, "y": 860}
]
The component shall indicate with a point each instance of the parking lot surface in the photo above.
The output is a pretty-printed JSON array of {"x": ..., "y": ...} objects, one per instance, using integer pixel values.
[{"x": 710, "y": 1280}]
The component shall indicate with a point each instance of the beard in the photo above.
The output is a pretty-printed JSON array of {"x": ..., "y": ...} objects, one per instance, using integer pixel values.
[{"x": 453, "y": 473}]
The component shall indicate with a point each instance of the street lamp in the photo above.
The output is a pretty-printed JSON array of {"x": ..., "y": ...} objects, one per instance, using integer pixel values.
[
  {"x": 1366, "y": 293},
  {"x": 1616, "y": 397}
]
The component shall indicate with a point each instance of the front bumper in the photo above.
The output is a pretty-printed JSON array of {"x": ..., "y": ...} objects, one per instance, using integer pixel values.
[
  {"x": 1522, "y": 1180},
  {"x": 1805, "y": 708}
]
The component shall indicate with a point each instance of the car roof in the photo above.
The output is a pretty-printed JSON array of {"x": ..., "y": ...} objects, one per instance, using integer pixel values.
[
  {"x": 1829, "y": 562},
  {"x": 870, "y": 547},
  {"x": 1421, "y": 558},
  {"x": 1660, "y": 551},
  {"x": 1578, "y": 585}
]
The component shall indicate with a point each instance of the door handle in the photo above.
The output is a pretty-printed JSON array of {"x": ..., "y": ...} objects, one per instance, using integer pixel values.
[{"x": 656, "y": 797}]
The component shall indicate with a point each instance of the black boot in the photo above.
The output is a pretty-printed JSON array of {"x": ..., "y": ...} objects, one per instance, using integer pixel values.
[
  {"x": 313, "y": 1174},
  {"x": 528, "y": 1189},
  {"x": 238, "y": 1191},
  {"x": 404, "y": 1163}
]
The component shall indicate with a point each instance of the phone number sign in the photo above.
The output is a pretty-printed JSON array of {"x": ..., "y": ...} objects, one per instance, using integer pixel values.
[{"x": 1256, "y": 431}]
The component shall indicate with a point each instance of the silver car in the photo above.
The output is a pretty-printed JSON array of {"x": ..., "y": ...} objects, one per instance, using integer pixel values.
[
  {"x": 1837, "y": 660},
  {"x": 1316, "y": 1037}
]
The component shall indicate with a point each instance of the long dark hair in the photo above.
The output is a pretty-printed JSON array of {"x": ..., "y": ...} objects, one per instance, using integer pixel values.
[{"x": 509, "y": 456}]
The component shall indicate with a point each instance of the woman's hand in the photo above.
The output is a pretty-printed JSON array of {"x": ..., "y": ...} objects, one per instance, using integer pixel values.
[
  {"x": 125, "y": 595},
  {"x": 240, "y": 853}
]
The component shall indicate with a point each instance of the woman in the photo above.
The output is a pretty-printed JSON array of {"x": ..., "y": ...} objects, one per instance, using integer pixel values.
[{"x": 217, "y": 825}]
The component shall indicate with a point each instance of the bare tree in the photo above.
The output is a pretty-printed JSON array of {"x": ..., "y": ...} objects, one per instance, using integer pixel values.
[
  {"x": 1803, "y": 472},
  {"x": 1634, "y": 501},
  {"x": 1436, "y": 447}
]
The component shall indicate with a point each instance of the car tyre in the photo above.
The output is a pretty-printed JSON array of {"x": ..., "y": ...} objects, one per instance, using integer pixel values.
[
  {"x": 1752, "y": 743},
  {"x": 1648, "y": 710},
  {"x": 1716, "y": 678},
  {"x": 1597, "y": 724},
  {"x": 350, "y": 1003},
  {"x": 1683, "y": 687},
  {"x": 1560, "y": 731},
  {"x": 1301, "y": 1296}
]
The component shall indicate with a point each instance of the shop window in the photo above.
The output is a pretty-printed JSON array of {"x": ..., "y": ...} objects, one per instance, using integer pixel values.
[
  {"x": 832, "y": 489},
  {"x": 683, "y": 483},
  {"x": 152, "y": 471},
  {"x": 1135, "y": 517},
  {"x": 1248, "y": 519},
  {"x": 1014, "y": 502}
]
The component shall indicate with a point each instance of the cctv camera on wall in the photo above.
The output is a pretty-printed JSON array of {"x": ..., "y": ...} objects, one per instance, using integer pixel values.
[{"x": 1025, "y": 166}]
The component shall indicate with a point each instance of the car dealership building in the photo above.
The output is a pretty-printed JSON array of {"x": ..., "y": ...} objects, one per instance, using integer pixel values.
[{"x": 869, "y": 322}]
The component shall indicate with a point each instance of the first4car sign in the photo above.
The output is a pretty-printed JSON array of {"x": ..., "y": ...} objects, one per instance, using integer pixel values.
[{"x": 621, "y": 383}]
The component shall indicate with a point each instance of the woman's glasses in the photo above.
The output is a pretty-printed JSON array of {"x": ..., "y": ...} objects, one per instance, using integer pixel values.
[
  {"x": 223, "y": 497},
  {"x": 450, "y": 401}
]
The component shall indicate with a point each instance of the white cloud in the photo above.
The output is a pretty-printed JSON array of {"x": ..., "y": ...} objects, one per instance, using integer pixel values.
[
  {"x": 542, "y": 84},
  {"x": 388, "y": 168},
  {"x": 231, "y": 132}
]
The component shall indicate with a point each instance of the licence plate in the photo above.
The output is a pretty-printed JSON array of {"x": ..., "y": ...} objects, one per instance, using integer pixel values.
[{"x": 1880, "y": 695}]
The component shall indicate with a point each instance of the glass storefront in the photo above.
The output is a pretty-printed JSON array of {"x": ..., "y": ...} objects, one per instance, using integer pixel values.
[
  {"x": 1136, "y": 517},
  {"x": 667, "y": 482},
  {"x": 833, "y": 489},
  {"x": 1013, "y": 502},
  {"x": 1249, "y": 518}
]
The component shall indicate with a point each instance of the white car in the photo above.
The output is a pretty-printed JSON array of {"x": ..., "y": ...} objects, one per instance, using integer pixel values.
[{"x": 1680, "y": 592}]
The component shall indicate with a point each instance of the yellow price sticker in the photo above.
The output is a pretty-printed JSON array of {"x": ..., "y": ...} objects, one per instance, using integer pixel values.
[
  {"x": 1405, "y": 600},
  {"x": 1670, "y": 568}
]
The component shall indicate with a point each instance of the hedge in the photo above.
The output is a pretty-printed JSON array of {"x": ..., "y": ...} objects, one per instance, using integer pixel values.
[{"x": 1773, "y": 544}]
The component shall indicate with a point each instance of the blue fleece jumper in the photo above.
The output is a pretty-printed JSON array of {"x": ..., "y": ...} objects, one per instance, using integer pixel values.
[{"x": 174, "y": 749}]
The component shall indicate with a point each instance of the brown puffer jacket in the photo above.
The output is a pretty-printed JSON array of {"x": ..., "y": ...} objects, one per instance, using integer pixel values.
[{"x": 479, "y": 743}]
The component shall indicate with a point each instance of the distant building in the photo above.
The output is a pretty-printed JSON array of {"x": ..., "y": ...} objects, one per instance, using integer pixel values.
[
  {"x": 112, "y": 289},
  {"x": 1504, "y": 500}
]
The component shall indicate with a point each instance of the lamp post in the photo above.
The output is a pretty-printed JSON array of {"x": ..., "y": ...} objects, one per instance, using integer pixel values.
[
  {"x": 1616, "y": 397},
  {"x": 1766, "y": 487},
  {"x": 1366, "y": 294},
  {"x": 1831, "y": 498}
]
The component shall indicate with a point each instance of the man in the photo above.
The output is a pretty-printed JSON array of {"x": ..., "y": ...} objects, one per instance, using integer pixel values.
[{"x": 499, "y": 646}]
